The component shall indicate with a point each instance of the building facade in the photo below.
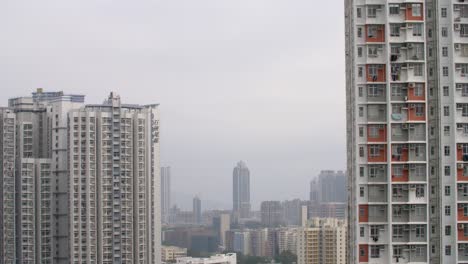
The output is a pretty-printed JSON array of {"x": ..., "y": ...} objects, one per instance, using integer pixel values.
[
  {"x": 241, "y": 191},
  {"x": 229, "y": 258},
  {"x": 165, "y": 194},
  {"x": 323, "y": 240},
  {"x": 272, "y": 213},
  {"x": 171, "y": 253},
  {"x": 221, "y": 224},
  {"x": 197, "y": 210},
  {"x": 80, "y": 183}
]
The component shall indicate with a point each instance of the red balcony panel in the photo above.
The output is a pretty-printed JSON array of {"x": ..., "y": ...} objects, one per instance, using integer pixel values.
[
  {"x": 460, "y": 176},
  {"x": 363, "y": 213},
  {"x": 375, "y": 33},
  {"x": 461, "y": 214},
  {"x": 416, "y": 112},
  {"x": 382, "y": 137},
  {"x": 411, "y": 16},
  {"x": 460, "y": 156},
  {"x": 380, "y": 73},
  {"x": 403, "y": 154},
  {"x": 380, "y": 156},
  {"x": 411, "y": 93},
  {"x": 363, "y": 253},
  {"x": 461, "y": 232},
  {"x": 401, "y": 178}
]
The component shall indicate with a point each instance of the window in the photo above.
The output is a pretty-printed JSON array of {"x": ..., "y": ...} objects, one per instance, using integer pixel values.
[
  {"x": 373, "y": 172},
  {"x": 374, "y": 131},
  {"x": 447, "y": 150},
  {"x": 464, "y": 88},
  {"x": 446, "y": 110},
  {"x": 361, "y": 171},
  {"x": 372, "y": 11},
  {"x": 419, "y": 109},
  {"x": 420, "y": 231},
  {"x": 463, "y": 30},
  {"x": 361, "y": 231},
  {"x": 359, "y": 32},
  {"x": 465, "y": 210},
  {"x": 419, "y": 191},
  {"x": 372, "y": 31},
  {"x": 444, "y": 51},
  {"x": 463, "y": 68},
  {"x": 361, "y": 111},
  {"x": 417, "y": 30},
  {"x": 361, "y": 191},
  {"x": 443, "y": 12},
  {"x": 448, "y": 250},
  {"x": 416, "y": 10},
  {"x": 394, "y": 9},
  {"x": 372, "y": 51},
  {"x": 446, "y": 91},
  {"x": 373, "y": 71},
  {"x": 360, "y": 91},
  {"x": 447, "y": 210},
  {"x": 374, "y": 151},
  {"x": 375, "y": 252},
  {"x": 447, "y": 190},
  {"x": 361, "y": 132},
  {"x": 445, "y": 71},
  {"x": 418, "y": 70},
  {"x": 448, "y": 230},
  {"x": 374, "y": 91},
  {"x": 395, "y": 30},
  {"x": 362, "y": 252},
  {"x": 464, "y": 108},
  {"x": 361, "y": 151},
  {"x": 396, "y": 90},
  {"x": 359, "y": 12},
  {"x": 444, "y": 32},
  {"x": 359, "y": 51},
  {"x": 418, "y": 89},
  {"x": 360, "y": 71},
  {"x": 446, "y": 130}
]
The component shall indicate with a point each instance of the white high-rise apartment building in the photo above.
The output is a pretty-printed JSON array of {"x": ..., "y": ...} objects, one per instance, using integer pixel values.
[
  {"x": 85, "y": 178},
  {"x": 241, "y": 191},
  {"x": 322, "y": 240},
  {"x": 407, "y": 105}
]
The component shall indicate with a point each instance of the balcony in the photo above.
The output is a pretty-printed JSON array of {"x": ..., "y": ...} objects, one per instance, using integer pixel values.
[
  {"x": 373, "y": 54},
  {"x": 376, "y": 93},
  {"x": 376, "y": 113},
  {"x": 462, "y": 193},
  {"x": 377, "y": 153},
  {"x": 417, "y": 152},
  {"x": 409, "y": 213},
  {"x": 462, "y": 247},
  {"x": 409, "y": 233},
  {"x": 400, "y": 173},
  {"x": 462, "y": 113},
  {"x": 400, "y": 193},
  {"x": 377, "y": 234},
  {"x": 377, "y": 194},
  {"x": 363, "y": 253},
  {"x": 462, "y": 230},
  {"x": 372, "y": 213},
  {"x": 462, "y": 172},
  {"x": 414, "y": 12},
  {"x": 375, "y": 33},
  {"x": 462, "y": 212},
  {"x": 462, "y": 152},
  {"x": 377, "y": 173},
  {"x": 376, "y": 133},
  {"x": 375, "y": 73},
  {"x": 417, "y": 173},
  {"x": 399, "y": 113},
  {"x": 399, "y": 152},
  {"x": 406, "y": 32},
  {"x": 462, "y": 132},
  {"x": 408, "y": 132}
]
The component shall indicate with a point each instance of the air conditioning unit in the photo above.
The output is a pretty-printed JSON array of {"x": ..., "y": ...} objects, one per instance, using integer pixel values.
[
  {"x": 461, "y": 226},
  {"x": 412, "y": 186},
  {"x": 457, "y": 46},
  {"x": 411, "y": 126},
  {"x": 460, "y": 166},
  {"x": 456, "y": 26},
  {"x": 459, "y": 86},
  {"x": 411, "y": 85},
  {"x": 410, "y": 45},
  {"x": 460, "y": 147},
  {"x": 404, "y": 126},
  {"x": 406, "y": 98}
]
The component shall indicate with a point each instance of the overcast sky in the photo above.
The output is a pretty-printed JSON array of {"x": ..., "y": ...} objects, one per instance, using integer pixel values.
[{"x": 257, "y": 80}]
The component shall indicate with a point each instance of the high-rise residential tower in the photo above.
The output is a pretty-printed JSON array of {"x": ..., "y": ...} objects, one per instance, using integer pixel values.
[
  {"x": 241, "y": 190},
  {"x": 197, "y": 210},
  {"x": 405, "y": 74},
  {"x": 165, "y": 194},
  {"x": 79, "y": 183}
]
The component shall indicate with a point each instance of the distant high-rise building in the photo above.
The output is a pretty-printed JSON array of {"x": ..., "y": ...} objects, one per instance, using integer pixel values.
[
  {"x": 197, "y": 210},
  {"x": 241, "y": 191},
  {"x": 165, "y": 194},
  {"x": 222, "y": 224},
  {"x": 322, "y": 241},
  {"x": 229, "y": 258},
  {"x": 271, "y": 213},
  {"x": 78, "y": 183},
  {"x": 329, "y": 187}
]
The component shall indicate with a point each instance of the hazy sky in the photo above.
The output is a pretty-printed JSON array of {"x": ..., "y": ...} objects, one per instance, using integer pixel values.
[{"x": 257, "y": 80}]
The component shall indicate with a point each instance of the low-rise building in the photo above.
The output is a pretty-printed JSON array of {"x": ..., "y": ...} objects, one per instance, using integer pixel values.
[
  {"x": 171, "y": 253},
  {"x": 229, "y": 258}
]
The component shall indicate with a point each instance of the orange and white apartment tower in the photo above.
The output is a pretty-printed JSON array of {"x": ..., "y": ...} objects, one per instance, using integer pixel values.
[{"x": 407, "y": 130}]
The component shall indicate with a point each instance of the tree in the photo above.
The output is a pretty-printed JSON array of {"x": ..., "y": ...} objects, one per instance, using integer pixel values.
[{"x": 286, "y": 257}]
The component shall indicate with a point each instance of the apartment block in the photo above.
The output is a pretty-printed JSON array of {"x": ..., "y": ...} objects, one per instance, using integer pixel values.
[
  {"x": 80, "y": 184},
  {"x": 229, "y": 258},
  {"x": 171, "y": 253},
  {"x": 322, "y": 240}
]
